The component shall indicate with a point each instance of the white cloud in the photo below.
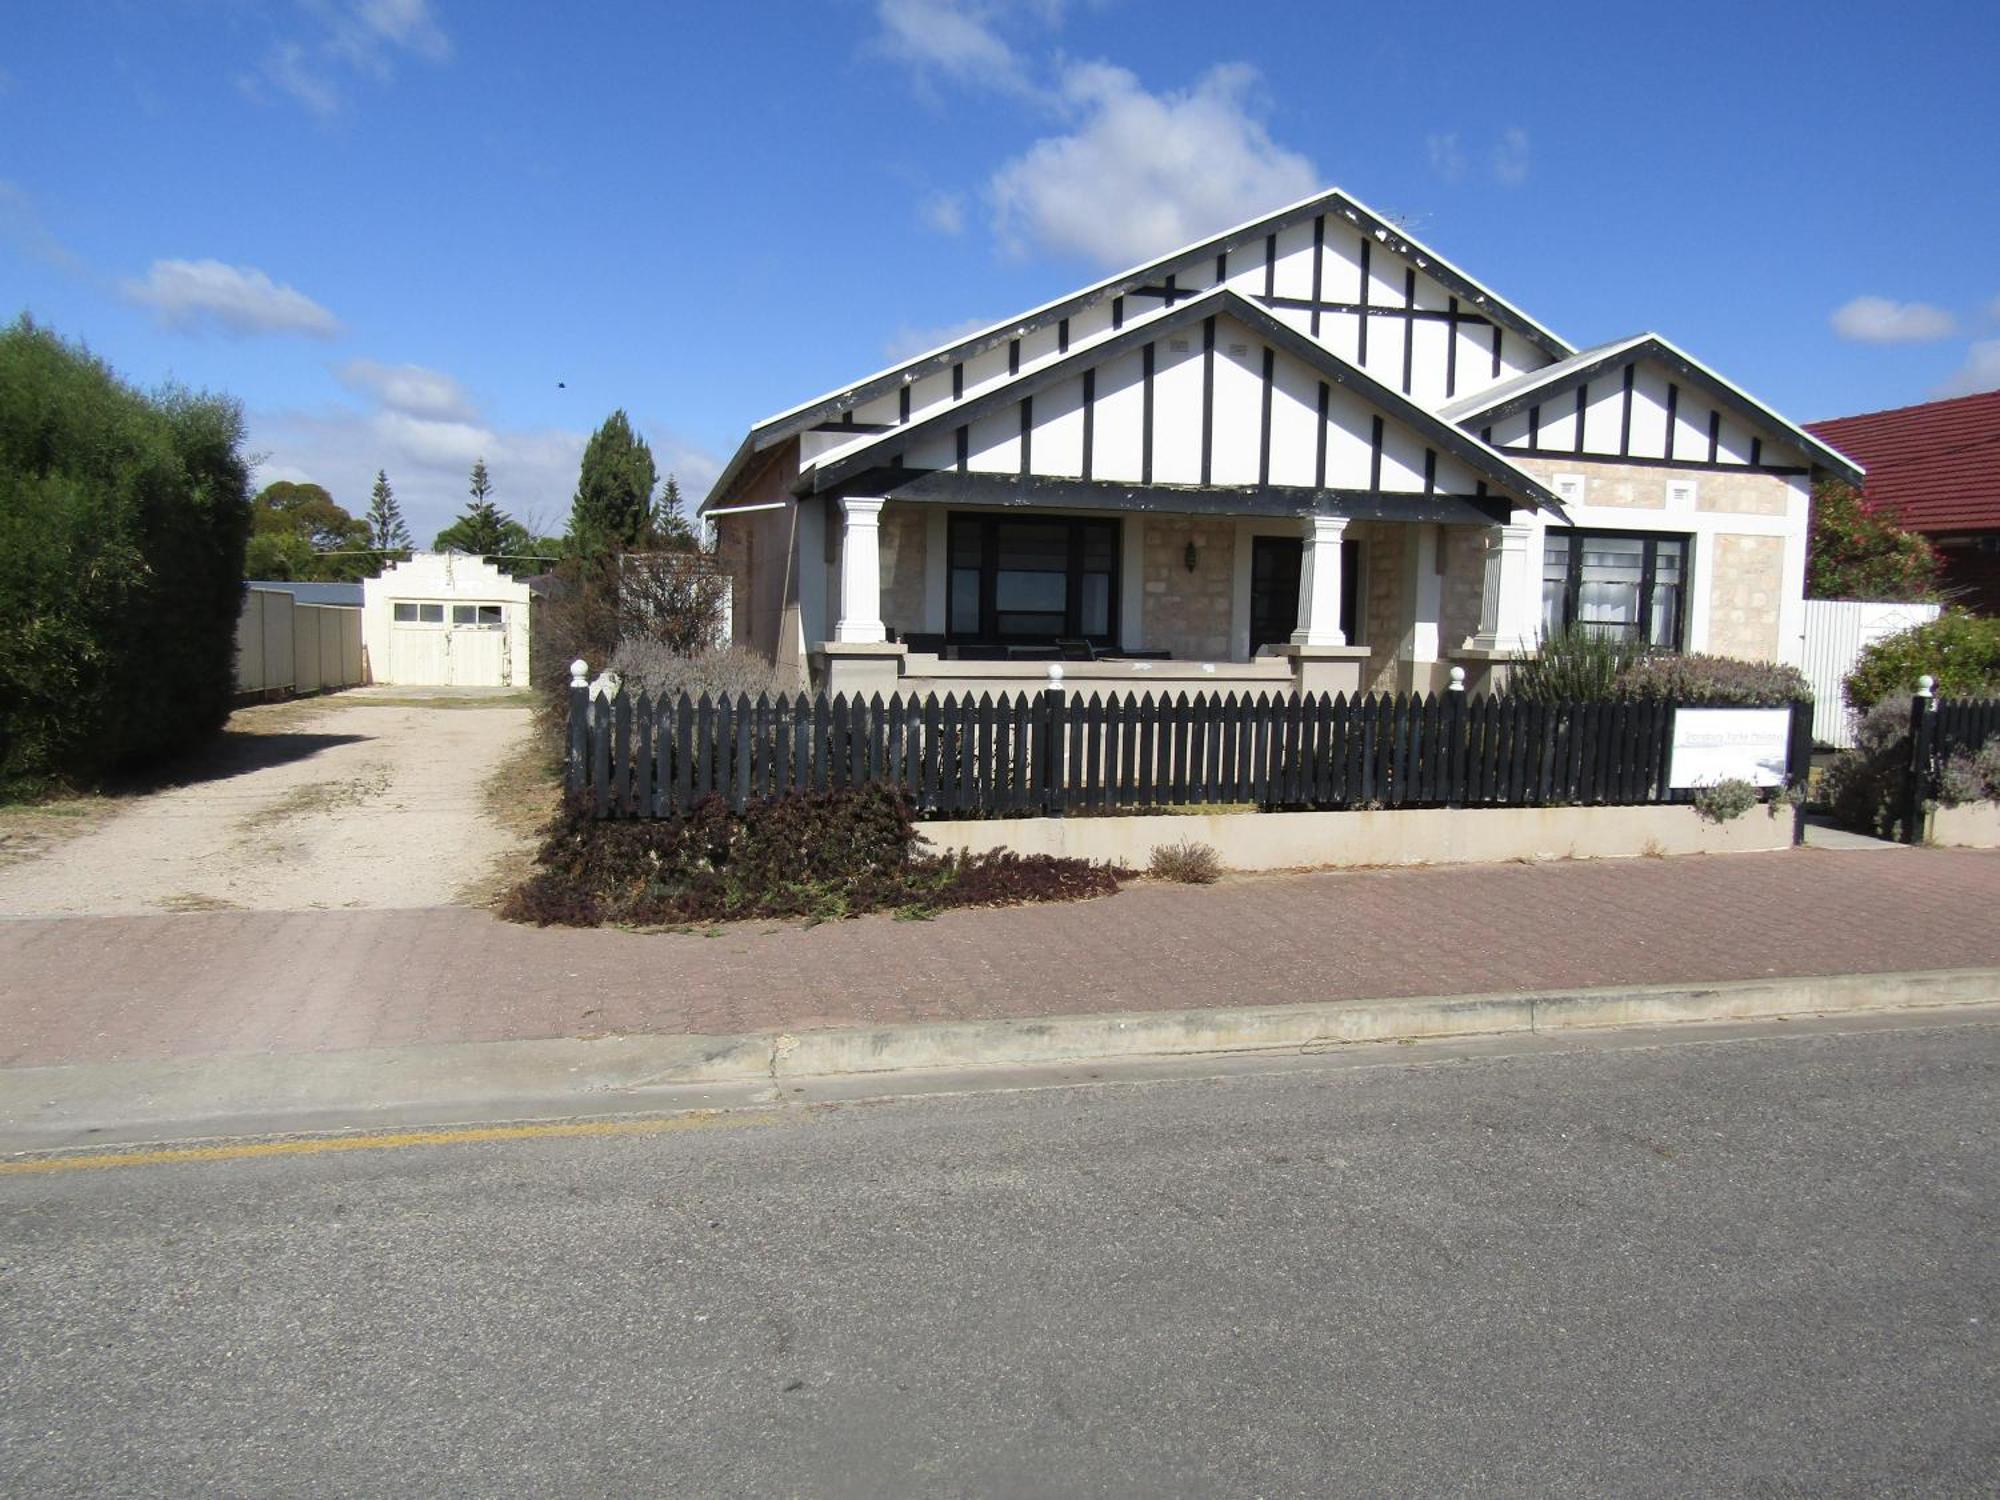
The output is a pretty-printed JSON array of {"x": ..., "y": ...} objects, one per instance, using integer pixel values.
[
  {"x": 421, "y": 427},
  {"x": 353, "y": 36},
  {"x": 952, "y": 38},
  {"x": 411, "y": 389},
  {"x": 196, "y": 294},
  {"x": 1879, "y": 320},
  {"x": 1980, "y": 372},
  {"x": 1510, "y": 157},
  {"x": 1144, "y": 172},
  {"x": 907, "y": 343},
  {"x": 943, "y": 212},
  {"x": 1447, "y": 155},
  {"x": 1993, "y": 310}
]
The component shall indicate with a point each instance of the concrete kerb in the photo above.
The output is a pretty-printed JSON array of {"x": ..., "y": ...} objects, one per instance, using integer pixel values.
[{"x": 586, "y": 1075}]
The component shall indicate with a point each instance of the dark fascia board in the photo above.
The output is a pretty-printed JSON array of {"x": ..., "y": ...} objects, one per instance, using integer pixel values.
[
  {"x": 1334, "y": 202},
  {"x": 1013, "y": 492},
  {"x": 1217, "y": 302},
  {"x": 1661, "y": 352}
]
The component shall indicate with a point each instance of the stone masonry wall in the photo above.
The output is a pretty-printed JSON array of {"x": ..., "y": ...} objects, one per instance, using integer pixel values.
[
  {"x": 1187, "y": 613},
  {"x": 1464, "y": 579},
  {"x": 1743, "y": 604},
  {"x": 903, "y": 541},
  {"x": 1386, "y": 612}
]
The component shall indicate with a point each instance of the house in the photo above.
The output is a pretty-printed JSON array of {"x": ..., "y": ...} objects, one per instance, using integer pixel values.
[
  {"x": 1936, "y": 469},
  {"x": 1309, "y": 452},
  {"x": 448, "y": 620}
]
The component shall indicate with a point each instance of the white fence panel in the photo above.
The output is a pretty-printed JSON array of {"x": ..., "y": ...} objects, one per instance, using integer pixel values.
[
  {"x": 283, "y": 645},
  {"x": 264, "y": 642},
  {"x": 1836, "y": 632}
]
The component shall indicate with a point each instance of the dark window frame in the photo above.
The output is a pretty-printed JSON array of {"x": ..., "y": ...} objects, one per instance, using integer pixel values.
[
  {"x": 989, "y": 525},
  {"x": 1578, "y": 537}
]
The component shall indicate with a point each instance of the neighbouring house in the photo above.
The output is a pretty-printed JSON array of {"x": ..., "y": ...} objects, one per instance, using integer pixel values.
[
  {"x": 444, "y": 619},
  {"x": 1307, "y": 452},
  {"x": 1935, "y": 468}
]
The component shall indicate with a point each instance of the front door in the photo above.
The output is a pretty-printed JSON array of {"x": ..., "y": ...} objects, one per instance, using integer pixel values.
[{"x": 1274, "y": 590}]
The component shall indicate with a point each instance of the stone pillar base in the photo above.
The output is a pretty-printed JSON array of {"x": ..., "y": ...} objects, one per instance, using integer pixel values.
[
  {"x": 1486, "y": 669},
  {"x": 869, "y": 668},
  {"x": 1325, "y": 669}
]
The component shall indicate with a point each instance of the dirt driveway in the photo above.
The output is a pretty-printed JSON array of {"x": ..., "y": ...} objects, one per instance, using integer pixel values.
[{"x": 371, "y": 798}]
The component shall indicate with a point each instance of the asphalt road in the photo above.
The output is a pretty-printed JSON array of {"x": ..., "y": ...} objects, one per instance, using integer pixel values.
[{"x": 1749, "y": 1267}]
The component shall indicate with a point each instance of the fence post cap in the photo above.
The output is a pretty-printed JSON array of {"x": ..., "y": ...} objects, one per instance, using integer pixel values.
[
  {"x": 1055, "y": 674},
  {"x": 1457, "y": 680},
  {"x": 579, "y": 673},
  {"x": 1926, "y": 685}
]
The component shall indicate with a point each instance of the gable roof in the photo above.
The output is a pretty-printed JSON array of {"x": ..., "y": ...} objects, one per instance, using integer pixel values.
[
  {"x": 1934, "y": 467},
  {"x": 1524, "y": 391},
  {"x": 1483, "y": 460},
  {"x": 939, "y": 360}
]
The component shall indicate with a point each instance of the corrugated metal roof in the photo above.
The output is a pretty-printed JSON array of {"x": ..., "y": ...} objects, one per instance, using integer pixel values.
[{"x": 1935, "y": 467}]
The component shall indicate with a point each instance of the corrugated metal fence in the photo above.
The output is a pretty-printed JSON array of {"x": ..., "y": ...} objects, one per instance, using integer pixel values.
[
  {"x": 285, "y": 646},
  {"x": 1836, "y": 632}
]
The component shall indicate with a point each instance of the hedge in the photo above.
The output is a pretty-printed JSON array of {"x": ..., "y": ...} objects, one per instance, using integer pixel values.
[
  {"x": 1960, "y": 650},
  {"x": 123, "y": 518}
]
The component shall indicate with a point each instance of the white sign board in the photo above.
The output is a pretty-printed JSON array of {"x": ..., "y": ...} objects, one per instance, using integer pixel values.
[{"x": 1729, "y": 744}]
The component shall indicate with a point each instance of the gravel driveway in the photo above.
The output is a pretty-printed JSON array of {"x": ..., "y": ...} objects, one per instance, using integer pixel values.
[{"x": 368, "y": 798}]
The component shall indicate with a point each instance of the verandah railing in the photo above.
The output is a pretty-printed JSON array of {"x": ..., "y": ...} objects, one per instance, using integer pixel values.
[{"x": 1054, "y": 752}]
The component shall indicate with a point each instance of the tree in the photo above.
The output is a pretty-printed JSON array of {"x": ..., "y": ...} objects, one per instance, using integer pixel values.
[
  {"x": 299, "y": 532},
  {"x": 1858, "y": 553},
  {"x": 613, "y": 506},
  {"x": 671, "y": 531},
  {"x": 387, "y": 531},
  {"x": 122, "y": 522},
  {"x": 483, "y": 529}
]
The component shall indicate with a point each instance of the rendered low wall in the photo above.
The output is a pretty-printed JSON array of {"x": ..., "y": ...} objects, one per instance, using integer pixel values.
[
  {"x": 1972, "y": 825},
  {"x": 1414, "y": 836}
]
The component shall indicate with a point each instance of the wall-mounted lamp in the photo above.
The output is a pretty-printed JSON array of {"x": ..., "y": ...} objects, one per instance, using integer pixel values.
[{"x": 1190, "y": 557}]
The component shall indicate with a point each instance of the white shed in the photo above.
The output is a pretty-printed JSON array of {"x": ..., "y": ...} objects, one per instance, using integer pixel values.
[{"x": 446, "y": 619}]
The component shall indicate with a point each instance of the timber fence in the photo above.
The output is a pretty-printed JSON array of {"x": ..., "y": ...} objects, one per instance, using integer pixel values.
[{"x": 1047, "y": 754}]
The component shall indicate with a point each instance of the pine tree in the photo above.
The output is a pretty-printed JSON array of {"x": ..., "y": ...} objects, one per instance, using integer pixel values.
[
  {"x": 671, "y": 531},
  {"x": 386, "y": 529},
  {"x": 483, "y": 529},
  {"x": 613, "y": 508}
]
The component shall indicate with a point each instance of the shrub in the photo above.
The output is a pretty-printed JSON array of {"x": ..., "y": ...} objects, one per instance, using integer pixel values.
[
  {"x": 1697, "y": 678},
  {"x": 1187, "y": 861},
  {"x": 1960, "y": 650},
  {"x": 122, "y": 525},
  {"x": 819, "y": 855},
  {"x": 1865, "y": 785},
  {"x": 1971, "y": 776},
  {"x": 1858, "y": 553},
  {"x": 1725, "y": 801},
  {"x": 654, "y": 667},
  {"x": 1577, "y": 666}
]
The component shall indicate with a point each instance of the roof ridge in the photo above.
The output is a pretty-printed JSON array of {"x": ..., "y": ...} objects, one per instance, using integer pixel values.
[{"x": 1894, "y": 411}]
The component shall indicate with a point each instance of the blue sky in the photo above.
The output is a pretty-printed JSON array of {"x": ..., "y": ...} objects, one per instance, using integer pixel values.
[{"x": 391, "y": 227}]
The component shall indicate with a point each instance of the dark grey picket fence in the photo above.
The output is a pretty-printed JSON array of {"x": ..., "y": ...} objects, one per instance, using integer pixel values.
[
  {"x": 1053, "y": 752},
  {"x": 1939, "y": 729}
]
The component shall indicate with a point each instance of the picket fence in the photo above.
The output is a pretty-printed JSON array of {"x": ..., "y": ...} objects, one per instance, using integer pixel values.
[{"x": 1045, "y": 753}]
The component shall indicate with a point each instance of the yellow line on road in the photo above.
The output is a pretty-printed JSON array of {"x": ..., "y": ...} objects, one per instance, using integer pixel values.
[{"x": 467, "y": 1135}]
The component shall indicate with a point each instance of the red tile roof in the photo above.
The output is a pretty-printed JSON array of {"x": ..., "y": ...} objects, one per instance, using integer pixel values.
[{"x": 1935, "y": 467}]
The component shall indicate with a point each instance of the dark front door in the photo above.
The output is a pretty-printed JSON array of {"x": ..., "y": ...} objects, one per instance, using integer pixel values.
[{"x": 1274, "y": 590}]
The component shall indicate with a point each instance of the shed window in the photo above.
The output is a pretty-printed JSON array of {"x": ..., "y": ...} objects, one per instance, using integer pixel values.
[
  {"x": 419, "y": 614},
  {"x": 1626, "y": 584},
  {"x": 475, "y": 614}
]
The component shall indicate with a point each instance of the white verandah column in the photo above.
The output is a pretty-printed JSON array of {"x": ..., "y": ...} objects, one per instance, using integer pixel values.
[
  {"x": 860, "y": 571},
  {"x": 1319, "y": 583},
  {"x": 1508, "y": 613}
]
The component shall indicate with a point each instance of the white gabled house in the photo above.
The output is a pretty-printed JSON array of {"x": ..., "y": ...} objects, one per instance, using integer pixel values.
[{"x": 1305, "y": 452}]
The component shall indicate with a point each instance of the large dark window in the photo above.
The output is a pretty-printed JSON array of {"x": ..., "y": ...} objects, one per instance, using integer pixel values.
[
  {"x": 1619, "y": 583},
  {"x": 1032, "y": 579}
]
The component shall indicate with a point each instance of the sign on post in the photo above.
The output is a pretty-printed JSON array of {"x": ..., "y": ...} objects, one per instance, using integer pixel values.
[{"x": 1729, "y": 744}]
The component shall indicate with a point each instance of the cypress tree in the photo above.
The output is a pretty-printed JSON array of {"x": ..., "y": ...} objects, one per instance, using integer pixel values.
[{"x": 613, "y": 507}]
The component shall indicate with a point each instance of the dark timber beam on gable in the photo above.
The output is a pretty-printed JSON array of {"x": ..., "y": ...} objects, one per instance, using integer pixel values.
[
  {"x": 1207, "y": 305},
  {"x": 1012, "y": 491}
]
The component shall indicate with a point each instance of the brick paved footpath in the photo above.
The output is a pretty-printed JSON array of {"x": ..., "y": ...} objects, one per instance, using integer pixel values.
[{"x": 106, "y": 988}]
